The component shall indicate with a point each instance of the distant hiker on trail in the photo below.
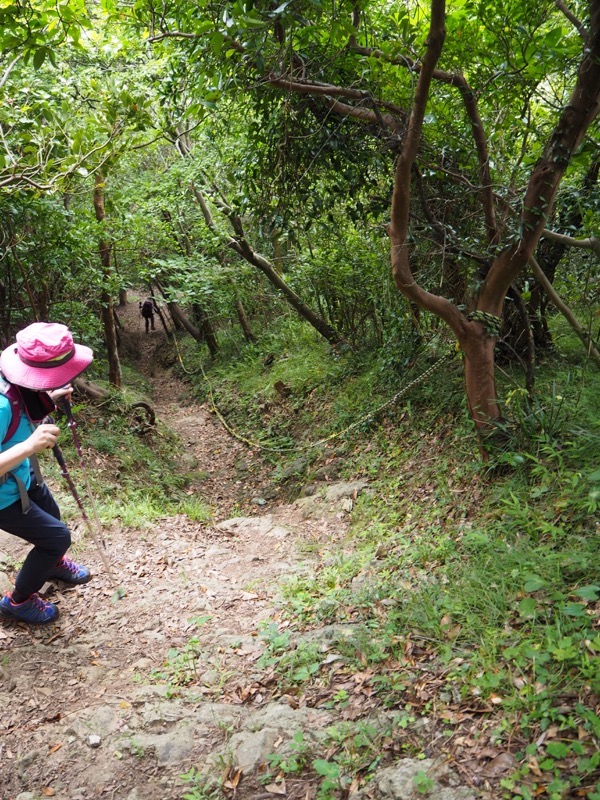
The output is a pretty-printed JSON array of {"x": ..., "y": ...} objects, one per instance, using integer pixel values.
[
  {"x": 147, "y": 312},
  {"x": 35, "y": 371}
]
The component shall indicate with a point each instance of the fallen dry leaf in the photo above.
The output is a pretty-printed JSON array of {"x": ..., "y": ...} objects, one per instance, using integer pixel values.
[
  {"x": 452, "y": 633},
  {"x": 534, "y": 767},
  {"x": 48, "y": 791},
  {"x": 503, "y": 763},
  {"x": 233, "y": 778},
  {"x": 276, "y": 788}
]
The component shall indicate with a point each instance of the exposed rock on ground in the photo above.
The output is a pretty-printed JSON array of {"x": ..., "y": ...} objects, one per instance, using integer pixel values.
[{"x": 120, "y": 698}]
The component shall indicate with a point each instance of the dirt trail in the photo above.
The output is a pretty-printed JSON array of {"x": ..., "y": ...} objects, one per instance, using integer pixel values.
[
  {"x": 94, "y": 672},
  {"x": 119, "y": 699}
]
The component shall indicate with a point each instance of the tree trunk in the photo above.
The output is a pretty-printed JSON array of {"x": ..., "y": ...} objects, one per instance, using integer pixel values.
[
  {"x": 566, "y": 312},
  {"x": 122, "y": 297},
  {"x": 184, "y": 321},
  {"x": 305, "y": 311},
  {"x": 240, "y": 245},
  {"x": 526, "y": 352},
  {"x": 246, "y": 329},
  {"x": 161, "y": 316},
  {"x": 110, "y": 334},
  {"x": 479, "y": 379},
  {"x": 476, "y": 338},
  {"x": 548, "y": 256},
  {"x": 179, "y": 318},
  {"x": 107, "y": 313},
  {"x": 206, "y": 328}
]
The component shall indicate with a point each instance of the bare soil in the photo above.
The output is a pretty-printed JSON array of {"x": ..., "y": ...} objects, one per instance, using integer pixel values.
[
  {"x": 121, "y": 698},
  {"x": 96, "y": 671}
]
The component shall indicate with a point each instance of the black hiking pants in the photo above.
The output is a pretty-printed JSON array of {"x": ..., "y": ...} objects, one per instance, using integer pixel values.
[{"x": 42, "y": 528}]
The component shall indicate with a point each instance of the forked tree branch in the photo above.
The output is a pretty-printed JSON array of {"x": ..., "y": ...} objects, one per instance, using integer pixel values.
[
  {"x": 470, "y": 102},
  {"x": 581, "y": 29},
  {"x": 564, "y": 309},
  {"x": 576, "y": 117}
]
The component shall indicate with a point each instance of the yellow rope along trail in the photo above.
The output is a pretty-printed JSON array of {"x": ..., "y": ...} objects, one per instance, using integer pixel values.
[{"x": 307, "y": 446}]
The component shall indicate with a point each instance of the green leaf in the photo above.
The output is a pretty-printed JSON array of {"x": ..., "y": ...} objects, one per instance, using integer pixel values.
[
  {"x": 39, "y": 57},
  {"x": 527, "y": 607},
  {"x": 574, "y": 609},
  {"x": 252, "y": 22},
  {"x": 533, "y": 583},
  {"x": 557, "y": 749},
  {"x": 324, "y": 767},
  {"x": 591, "y": 592},
  {"x": 553, "y": 37}
]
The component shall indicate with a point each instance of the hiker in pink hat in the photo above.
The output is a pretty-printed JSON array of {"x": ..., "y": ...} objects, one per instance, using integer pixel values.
[{"x": 35, "y": 371}]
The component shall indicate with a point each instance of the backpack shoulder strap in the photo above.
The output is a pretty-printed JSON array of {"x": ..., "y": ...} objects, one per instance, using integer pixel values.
[
  {"x": 15, "y": 400},
  {"x": 12, "y": 395}
]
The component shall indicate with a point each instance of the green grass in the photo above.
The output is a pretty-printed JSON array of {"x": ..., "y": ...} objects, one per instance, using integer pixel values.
[
  {"x": 502, "y": 593},
  {"x": 134, "y": 476},
  {"x": 490, "y": 572},
  {"x": 483, "y": 577}
]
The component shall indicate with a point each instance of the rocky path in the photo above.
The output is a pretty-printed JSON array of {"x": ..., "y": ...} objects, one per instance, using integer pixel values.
[{"x": 122, "y": 699}]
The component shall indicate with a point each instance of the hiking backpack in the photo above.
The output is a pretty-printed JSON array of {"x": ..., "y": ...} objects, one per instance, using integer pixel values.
[
  {"x": 17, "y": 406},
  {"x": 12, "y": 395},
  {"x": 36, "y": 411}
]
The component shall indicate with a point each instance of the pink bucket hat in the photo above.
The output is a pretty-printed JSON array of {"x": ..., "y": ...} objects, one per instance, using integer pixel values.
[{"x": 44, "y": 357}]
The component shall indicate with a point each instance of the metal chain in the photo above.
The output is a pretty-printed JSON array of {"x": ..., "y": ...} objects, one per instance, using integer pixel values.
[
  {"x": 308, "y": 446},
  {"x": 491, "y": 323}
]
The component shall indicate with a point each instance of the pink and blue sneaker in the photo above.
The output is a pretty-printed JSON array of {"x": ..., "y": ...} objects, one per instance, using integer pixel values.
[
  {"x": 70, "y": 572},
  {"x": 33, "y": 611}
]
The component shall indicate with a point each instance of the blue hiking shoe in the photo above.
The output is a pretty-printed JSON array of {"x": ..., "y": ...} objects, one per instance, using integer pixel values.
[
  {"x": 70, "y": 572},
  {"x": 33, "y": 611}
]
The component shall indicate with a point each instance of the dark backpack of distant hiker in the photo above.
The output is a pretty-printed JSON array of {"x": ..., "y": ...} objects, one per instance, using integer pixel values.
[{"x": 147, "y": 309}]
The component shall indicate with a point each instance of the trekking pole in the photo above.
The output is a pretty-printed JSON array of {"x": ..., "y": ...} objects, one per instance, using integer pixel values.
[
  {"x": 64, "y": 404},
  {"x": 96, "y": 536}
]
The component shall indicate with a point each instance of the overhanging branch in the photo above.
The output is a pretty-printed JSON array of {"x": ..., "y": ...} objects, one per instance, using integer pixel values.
[
  {"x": 564, "y": 309},
  {"x": 590, "y": 243},
  {"x": 470, "y": 103},
  {"x": 581, "y": 29}
]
